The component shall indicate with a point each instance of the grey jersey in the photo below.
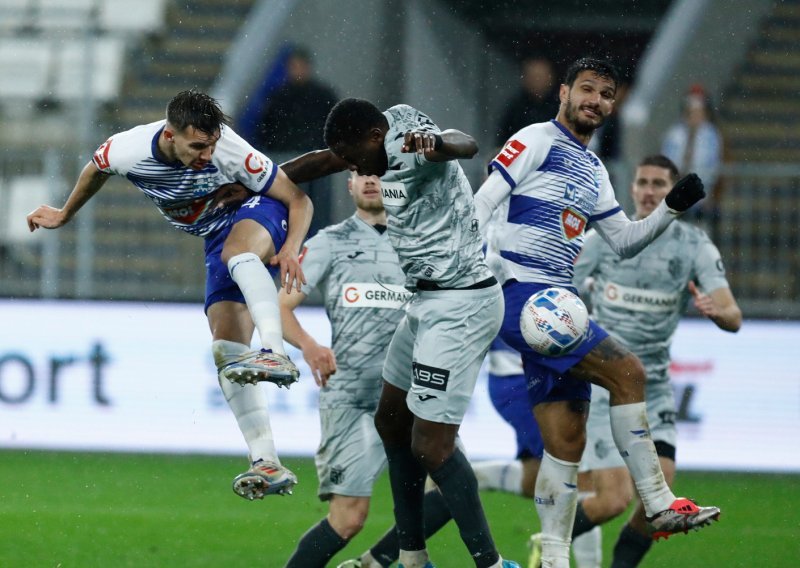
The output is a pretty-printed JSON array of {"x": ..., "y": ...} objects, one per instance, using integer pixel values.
[
  {"x": 357, "y": 271},
  {"x": 640, "y": 300},
  {"x": 432, "y": 222}
]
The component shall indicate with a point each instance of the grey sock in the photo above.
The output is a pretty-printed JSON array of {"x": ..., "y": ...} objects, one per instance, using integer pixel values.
[
  {"x": 316, "y": 547},
  {"x": 630, "y": 548},
  {"x": 582, "y": 524},
  {"x": 407, "y": 478}
]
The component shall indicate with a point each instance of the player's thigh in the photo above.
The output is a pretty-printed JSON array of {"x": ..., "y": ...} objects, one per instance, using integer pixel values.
[
  {"x": 454, "y": 331},
  {"x": 350, "y": 456},
  {"x": 248, "y": 235},
  {"x": 230, "y": 321},
  {"x": 612, "y": 366},
  {"x": 399, "y": 354}
]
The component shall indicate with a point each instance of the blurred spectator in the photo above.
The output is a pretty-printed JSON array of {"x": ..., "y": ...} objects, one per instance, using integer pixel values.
[
  {"x": 695, "y": 145},
  {"x": 537, "y": 100},
  {"x": 294, "y": 115},
  {"x": 291, "y": 123}
]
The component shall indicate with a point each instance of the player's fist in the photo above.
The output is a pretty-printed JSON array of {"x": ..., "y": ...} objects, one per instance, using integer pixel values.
[
  {"x": 685, "y": 193},
  {"x": 421, "y": 141}
]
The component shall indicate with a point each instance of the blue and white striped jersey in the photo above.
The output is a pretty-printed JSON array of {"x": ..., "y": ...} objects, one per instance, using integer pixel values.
[
  {"x": 183, "y": 195},
  {"x": 558, "y": 187}
]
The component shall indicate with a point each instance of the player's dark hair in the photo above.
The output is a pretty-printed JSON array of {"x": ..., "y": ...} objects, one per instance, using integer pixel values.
[
  {"x": 601, "y": 67},
  {"x": 349, "y": 121},
  {"x": 661, "y": 161},
  {"x": 194, "y": 108}
]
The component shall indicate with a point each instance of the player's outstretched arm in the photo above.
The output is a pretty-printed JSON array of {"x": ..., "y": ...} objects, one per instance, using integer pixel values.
[
  {"x": 320, "y": 359},
  {"x": 442, "y": 146},
  {"x": 719, "y": 306},
  {"x": 300, "y": 211},
  {"x": 313, "y": 165},
  {"x": 89, "y": 182}
]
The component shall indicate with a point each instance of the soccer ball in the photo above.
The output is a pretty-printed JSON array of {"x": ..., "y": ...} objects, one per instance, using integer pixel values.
[{"x": 554, "y": 321}]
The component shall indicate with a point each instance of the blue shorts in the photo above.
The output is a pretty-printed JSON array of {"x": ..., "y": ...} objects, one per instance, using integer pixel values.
[
  {"x": 270, "y": 214},
  {"x": 507, "y": 394},
  {"x": 548, "y": 378}
]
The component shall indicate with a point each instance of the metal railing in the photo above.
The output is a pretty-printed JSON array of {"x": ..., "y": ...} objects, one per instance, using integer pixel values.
[{"x": 135, "y": 255}]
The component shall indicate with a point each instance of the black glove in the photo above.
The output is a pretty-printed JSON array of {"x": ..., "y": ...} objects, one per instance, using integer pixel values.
[{"x": 685, "y": 193}]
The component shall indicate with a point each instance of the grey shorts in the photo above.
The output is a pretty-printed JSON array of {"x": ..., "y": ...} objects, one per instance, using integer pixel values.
[
  {"x": 601, "y": 452},
  {"x": 350, "y": 456},
  {"x": 438, "y": 348}
]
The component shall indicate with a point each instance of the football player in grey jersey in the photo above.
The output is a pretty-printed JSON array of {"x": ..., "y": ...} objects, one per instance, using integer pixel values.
[
  {"x": 640, "y": 302},
  {"x": 433, "y": 360},
  {"x": 355, "y": 267}
]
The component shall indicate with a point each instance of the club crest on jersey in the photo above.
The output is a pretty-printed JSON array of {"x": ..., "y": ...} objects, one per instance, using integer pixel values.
[
  {"x": 511, "y": 152},
  {"x": 394, "y": 193},
  {"x": 572, "y": 223}
]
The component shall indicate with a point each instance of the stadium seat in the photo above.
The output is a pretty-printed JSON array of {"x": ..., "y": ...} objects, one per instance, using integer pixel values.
[
  {"x": 106, "y": 69},
  {"x": 15, "y": 14},
  {"x": 117, "y": 15},
  {"x": 22, "y": 195},
  {"x": 24, "y": 67},
  {"x": 65, "y": 14}
]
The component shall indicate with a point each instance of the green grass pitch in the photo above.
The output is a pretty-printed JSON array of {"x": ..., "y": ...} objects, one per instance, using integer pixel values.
[{"x": 102, "y": 510}]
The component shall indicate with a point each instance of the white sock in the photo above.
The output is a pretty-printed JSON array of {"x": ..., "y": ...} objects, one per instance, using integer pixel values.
[
  {"x": 632, "y": 436},
  {"x": 248, "y": 404},
  {"x": 368, "y": 561},
  {"x": 556, "y": 498},
  {"x": 413, "y": 558},
  {"x": 587, "y": 549},
  {"x": 500, "y": 475},
  {"x": 259, "y": 292}
]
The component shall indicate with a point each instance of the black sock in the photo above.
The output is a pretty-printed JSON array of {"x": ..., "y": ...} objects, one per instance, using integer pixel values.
[
  {"x": 407, "y": 478},
  {"x": 459, "y": 488},
  {"x": 437, "y": 515},
  {"x": 582, "y": 524},
  {"x": 316, "y": 547},
  {"x": 630, "y": 548}
]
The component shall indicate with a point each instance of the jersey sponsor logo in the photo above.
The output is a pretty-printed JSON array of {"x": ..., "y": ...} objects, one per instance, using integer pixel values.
[
  {"x": 100, "y": 157},
  {"x": 640, "y": 300},
  {"x": 394, "y": 193},
  {"x": 511, "y": 152},
  {"x": 253, "y": 163},
  {"x": 573, "y": 223},
  {"x": 187, "y": 212},
  {"x": 430, "y": 377},
  {"x": 374, "y": 295}
]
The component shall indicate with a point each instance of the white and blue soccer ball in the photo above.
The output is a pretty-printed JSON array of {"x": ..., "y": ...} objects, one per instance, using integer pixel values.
[{"x": 554, "y": 321}]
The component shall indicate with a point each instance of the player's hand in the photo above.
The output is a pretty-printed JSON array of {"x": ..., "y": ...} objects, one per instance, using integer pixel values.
[
  {"x": 322, "y": 363},
  {"x": 703, "y": 302},
  {"x": 420, "y": 142},
  {"x": 46, "y": 217},
  {"x": 291, "y": 273},
  {"x": 685, "y": 193},
  {"x": 230, "y": 194}
]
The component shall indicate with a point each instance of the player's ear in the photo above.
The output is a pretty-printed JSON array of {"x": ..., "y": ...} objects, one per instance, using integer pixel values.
[
  {"x": 563, "y": 93},
  {"x": 169, "y": 135},
  {"x": 376, "y": 135}
]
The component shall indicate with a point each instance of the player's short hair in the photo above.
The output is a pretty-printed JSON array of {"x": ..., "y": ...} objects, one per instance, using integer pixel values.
[
  {"x": 195, "y": 108},
  {"x": 601, "y": 67},
  {"x": 661, "y": 161},
  {"x": 349, "y": 121}
]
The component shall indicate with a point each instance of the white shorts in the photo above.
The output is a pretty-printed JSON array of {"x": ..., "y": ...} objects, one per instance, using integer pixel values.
[
  {"x": 438, "y": 349},
  {"x": 350, "y": 456}
]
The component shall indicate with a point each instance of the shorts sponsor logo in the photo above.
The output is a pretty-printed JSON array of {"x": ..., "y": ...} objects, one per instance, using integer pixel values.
[
  {"x": 511, "y": 152},
  {"x": 337, "y": 475},
  {"x": 639, "y": 299},
  {"x": 374, "y": 295},
  {"x": 394, "y": 193},
  {"x": 254, "y": 164},
  {"x": 100, "y": 157},
  {"x": 572, "y": 223},
  {"x": 424, "y": 397},
  {"x": 430, "y": 377}
]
